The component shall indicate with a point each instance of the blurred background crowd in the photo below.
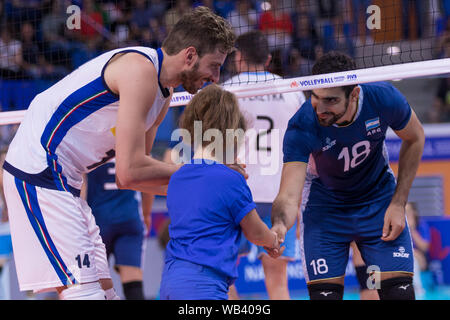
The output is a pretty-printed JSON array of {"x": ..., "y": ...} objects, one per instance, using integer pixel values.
[{"x": 38, "y": 40}]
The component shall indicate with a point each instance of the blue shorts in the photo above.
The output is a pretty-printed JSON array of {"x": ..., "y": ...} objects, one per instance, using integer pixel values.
[
  {"x": 326, "y": 234},
  {"x": 264, "y": 210},
  {"x": 125, "y": 241},
  {"x": 184, "y": 280}
]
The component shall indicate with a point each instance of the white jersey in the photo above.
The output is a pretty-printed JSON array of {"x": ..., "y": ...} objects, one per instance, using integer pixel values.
[
  {"x": 69, "y": 129},
  {"x": 267, "y": 118}
]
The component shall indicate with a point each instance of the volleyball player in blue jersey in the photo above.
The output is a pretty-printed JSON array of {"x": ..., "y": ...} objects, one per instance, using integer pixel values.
[
  {"x": 208, "y": 205},
  {"x": 334, "y": 151}
]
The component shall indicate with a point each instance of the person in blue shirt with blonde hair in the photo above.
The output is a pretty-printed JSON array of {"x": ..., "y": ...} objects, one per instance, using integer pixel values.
[{"x": 209, "y": 204}]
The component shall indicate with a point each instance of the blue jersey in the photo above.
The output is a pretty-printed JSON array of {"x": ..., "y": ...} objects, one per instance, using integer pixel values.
[
  {"x": 206, "y": 203},
  {"x": 109, "y": 204},
  {"x": 348, "y": 165}
]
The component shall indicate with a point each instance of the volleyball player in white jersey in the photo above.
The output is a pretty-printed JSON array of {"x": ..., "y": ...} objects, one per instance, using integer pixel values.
[
  {"x": 268, "y": 116},
  {"x": 110, "y": 106}
]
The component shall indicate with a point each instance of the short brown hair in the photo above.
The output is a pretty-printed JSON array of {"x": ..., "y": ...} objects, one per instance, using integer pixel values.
[
  {"x": 201, "y": 29},
  {"x": 253, "y": 46},
  {"x": 335, "y": 61},
  {"x": 216, "y": 108}
]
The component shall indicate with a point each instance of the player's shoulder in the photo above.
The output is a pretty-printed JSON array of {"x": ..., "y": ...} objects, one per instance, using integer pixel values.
[
  {"x": 383, "y": 96},
  {"x": 137, "y": 61},
  {"x": 380, "y": 90},
  {"x": 134, "y": 61},
  {"x": 305, "y": 117},
  {"x": 379, "y": 85}
]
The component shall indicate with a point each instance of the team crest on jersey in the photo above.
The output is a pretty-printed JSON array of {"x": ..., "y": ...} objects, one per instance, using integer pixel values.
[
  {"x": 373, "y": 126},
  {"x": 329, "y": 144}
]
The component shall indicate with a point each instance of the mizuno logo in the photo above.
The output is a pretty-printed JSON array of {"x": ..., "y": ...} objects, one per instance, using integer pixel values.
[
  {"x": 404, "y": 287},
  {"x": 326, "y": 293}
]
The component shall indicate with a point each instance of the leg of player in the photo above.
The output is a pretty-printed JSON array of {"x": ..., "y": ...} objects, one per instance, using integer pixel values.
[
  {"x": 361, "y": 273},
  {"x": 396, "y": 286},
  {"x": 108, "y": 286},
  {"x": 83, "y": 291},
  {"x": 131, "y": 278},
  {"x": 325, "y": 251},
  {"x": 275, "y": 271},
  {"x": 393, "y": 259},
  {"x": 327, "y": 289},
  {"x": 101, "y": 260}
]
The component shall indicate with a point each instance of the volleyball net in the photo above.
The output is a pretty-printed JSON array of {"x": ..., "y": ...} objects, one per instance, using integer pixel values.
[{"x": 389, "y": 40}]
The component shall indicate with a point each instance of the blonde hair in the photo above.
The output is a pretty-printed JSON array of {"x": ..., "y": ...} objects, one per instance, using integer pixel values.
[{"x": 217, "y": 109}]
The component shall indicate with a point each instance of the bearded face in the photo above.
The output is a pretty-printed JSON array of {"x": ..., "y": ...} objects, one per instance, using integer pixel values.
[
  {"x": 191, "y": 80},
  {"x": 328, "y": 118}
]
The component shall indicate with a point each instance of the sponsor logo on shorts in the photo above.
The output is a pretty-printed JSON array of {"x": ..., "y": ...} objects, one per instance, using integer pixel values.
[{"x": 401, "y": 253}]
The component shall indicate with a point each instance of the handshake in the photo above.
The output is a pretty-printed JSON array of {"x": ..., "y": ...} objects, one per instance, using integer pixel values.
[{"x": 279, "y": 232}]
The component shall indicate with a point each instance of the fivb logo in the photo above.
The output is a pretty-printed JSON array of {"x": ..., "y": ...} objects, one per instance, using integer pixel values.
[{"x": 324, "y": 80}]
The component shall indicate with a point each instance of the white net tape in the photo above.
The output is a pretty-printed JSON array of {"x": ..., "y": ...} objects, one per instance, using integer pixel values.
[{"x": 384, "y": 73}]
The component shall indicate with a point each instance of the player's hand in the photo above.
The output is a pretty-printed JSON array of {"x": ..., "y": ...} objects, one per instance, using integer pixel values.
[
  {"x": 394, "y": 222},
  {"x": 280, "y": 230},
  {"x": 276, "y": 250}
]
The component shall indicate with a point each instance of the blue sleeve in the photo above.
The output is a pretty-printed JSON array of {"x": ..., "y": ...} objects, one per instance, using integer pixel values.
[
  {"x": 394, "y": 107},
  {"x": 297, "y": 141},
  {"x": 240, "y": 199}
]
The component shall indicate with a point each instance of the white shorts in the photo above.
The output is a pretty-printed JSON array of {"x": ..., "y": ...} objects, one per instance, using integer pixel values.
[{"x": 55, "y": 239}]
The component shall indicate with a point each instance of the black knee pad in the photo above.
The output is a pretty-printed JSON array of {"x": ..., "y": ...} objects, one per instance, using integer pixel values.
[
  {"x": 325, "y": 291},
  {"x": 133, "y": 290},
  {"x": 362, "y": 276},
  {"x": 400, "y": 288}
]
